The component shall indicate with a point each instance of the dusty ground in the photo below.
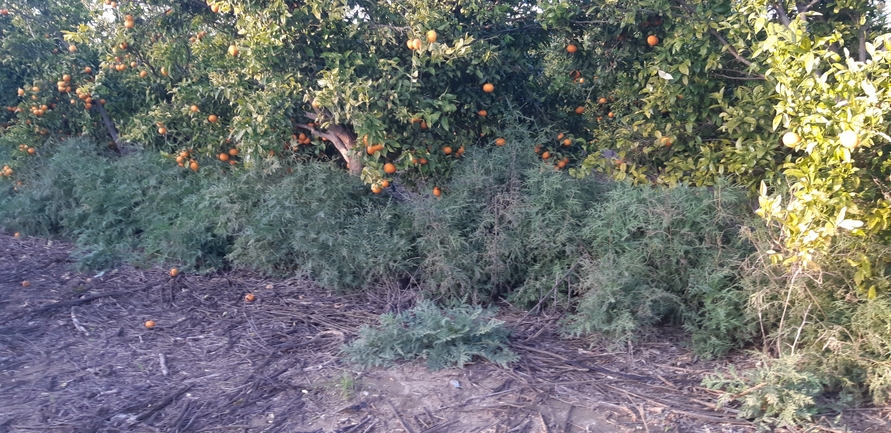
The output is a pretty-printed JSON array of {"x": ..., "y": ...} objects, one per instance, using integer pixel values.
[{"x": 75, "y": 356}]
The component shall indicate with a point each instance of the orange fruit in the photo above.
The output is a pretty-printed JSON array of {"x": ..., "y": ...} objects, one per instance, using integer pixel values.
[
  {"x": 193, "y": 165},
  {"x": 666, "y": 141},
  {"x": 233, "y": 51},
  {"x": 567, "y": 142},
  {"x": 436, "y": 191},
  {"x": 389, "y": 168},
  {"x": 233, "y": 151},
  {"x": 162, "y": 130},
  {"x": 72, "y": 48},
  {"x": 460, "y": 151},
  {"x": 385, "y": 183},
  {"x": 488, "y": 87},
  {"x": 149, "y": 324},
  {"x": 124, "y": 46},
  {"x": 431, "y": 36},
  {"x": 601, "y": 101},
  {"x": 500, "y": 142},
  {"x": 17, "y": 234},
  {"x": 410, "y": 43},
  {"x": 560, "y": 136},
  {"x": 215, "y": 8},
  {"x": 224, "y": 156},
  {"x": 376, "y": 189},
  {"x": 129, "y": 24},
  {"x": 580, "y": 110},
  {"x": 143, "y": 74},
  {"x": 791, "y": 139},
  {"x": 174, "y": 272},
  {"x": 849, "y": 139},
  {"x": 652, "y": 40},
  {"x": 447, "y": 150},
  {"x": 212, "y": 118},
  {"x": 194, "y": 108},
  {"x": 610, "y": 114},
  {"x": 483, "y": 113},
  {"x": 31, "y": 151},
  {"x": 416, "y": 44},
  {"x": 249, "y": 297},
  {"x": 546, "y": 155},
  {"x": 88, "y": 70},
  {"x": 26, "y": 283},
  {"x": 571, "y": 48}
]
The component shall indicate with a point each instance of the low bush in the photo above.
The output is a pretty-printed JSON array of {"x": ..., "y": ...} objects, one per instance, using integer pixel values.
[{"x": 443, "y": 337}]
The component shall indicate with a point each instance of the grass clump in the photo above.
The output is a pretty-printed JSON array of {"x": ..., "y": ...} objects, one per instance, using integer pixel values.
[{"x": 443, "y": 337}]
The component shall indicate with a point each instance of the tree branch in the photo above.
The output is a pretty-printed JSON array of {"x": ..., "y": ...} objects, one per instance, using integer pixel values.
[
  {"x": 342, "y": 138},
  {"x": 730, "y": 48},
  {"x": 720, "y": 38},
  {"x": 781, "y": 12},
  {"x": 744, "y": 78},
  {"x": 861, "y": 48}
]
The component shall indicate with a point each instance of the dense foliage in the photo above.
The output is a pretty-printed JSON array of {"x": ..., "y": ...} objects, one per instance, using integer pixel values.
[{"x": 362, "y": 141}]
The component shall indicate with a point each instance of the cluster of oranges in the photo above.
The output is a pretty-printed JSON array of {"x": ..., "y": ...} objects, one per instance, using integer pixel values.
[
  {"x": 87, "y": 98},
  {"x": 111, "y": 3},
  {"x": 64, "y": 85},
  {"x": 415, "y": 44},
  {"x": 184, "y": 157},
  {"x": 6, "y": 172},
  {"x": 28, "y": 150}
]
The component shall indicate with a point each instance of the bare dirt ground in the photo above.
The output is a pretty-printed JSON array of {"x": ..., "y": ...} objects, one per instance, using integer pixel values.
[{"x": 75, "y": 356}]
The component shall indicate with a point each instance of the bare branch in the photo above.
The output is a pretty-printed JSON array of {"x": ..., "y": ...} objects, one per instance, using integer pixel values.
[
  {"x": 730, "y": 48},
  {"x": 342, "y": 138},
  {"x": 861, "y": 48},
  {"x": 756, "y": 77},
  {"x": 781, "y": 12}
]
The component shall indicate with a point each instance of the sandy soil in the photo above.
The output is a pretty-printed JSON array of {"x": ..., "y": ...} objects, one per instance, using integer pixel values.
[{"x": 75, "y": 356}]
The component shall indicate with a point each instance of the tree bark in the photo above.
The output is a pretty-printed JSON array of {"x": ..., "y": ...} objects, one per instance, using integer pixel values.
[{"x": 343, "y": 140}]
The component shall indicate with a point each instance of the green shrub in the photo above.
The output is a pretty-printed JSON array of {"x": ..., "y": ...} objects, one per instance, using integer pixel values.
[
  {"x": 315, "y": 220},
  {"x": 665, "y": 256},
  {"x": 444, "y": 337},
  {"x": 779, "y": 393}
]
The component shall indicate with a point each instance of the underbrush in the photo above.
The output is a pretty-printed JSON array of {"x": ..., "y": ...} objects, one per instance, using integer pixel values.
[{"x": 617, "y": 259}]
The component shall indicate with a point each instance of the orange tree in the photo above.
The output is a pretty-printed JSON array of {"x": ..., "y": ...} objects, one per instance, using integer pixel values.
[
  {"x": 37, "y": 72},
  {"x": 785, "y": 93},
  {"x": 361, "y": 83}
]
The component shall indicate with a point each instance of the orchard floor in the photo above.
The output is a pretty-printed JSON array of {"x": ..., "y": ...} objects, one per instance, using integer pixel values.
[{"x": 75, "y": 357}]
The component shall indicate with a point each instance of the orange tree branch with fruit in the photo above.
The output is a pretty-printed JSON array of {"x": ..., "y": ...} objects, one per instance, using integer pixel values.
[
  {"x": 694, "y": 92},
  {"x": 361, "y": 83}
]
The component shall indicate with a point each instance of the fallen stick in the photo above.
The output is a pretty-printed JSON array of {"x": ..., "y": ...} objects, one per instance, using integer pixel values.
[
  {"x": 163, "y": 361},
  {"x": 162, "y": 404},
  {"x": 77, "y": 324},
  {"x": 71, "y": 303},
  {"x": 399, "y": 417}
]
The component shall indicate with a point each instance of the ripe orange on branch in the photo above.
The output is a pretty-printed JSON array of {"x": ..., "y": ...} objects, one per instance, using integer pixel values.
[
  {"x": 431, "y": 36},
  {"x": 791, "y": 139},
  {"x": 488, "y": 87},
  {"x": 571, "y": 48},
  {"x": 652, "y": 40},
  {"x": 389, "y": 168}
]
